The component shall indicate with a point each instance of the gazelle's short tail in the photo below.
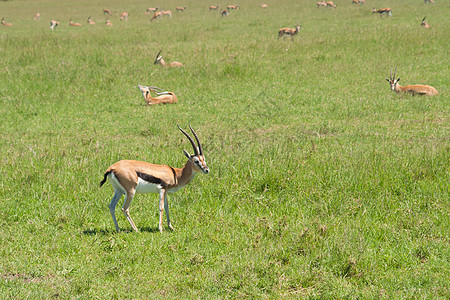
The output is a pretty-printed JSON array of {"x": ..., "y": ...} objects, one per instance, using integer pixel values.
[{"x": 104, "y": 178}]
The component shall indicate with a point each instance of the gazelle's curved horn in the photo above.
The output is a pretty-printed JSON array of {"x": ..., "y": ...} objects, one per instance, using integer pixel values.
[
  {"x": 155, "y": 88},
  {"x": 391, "y": 74},
  {"x": 424, "y": 18},
  {"x": 190, "y": 140},
  {"x": 395, "y": 72},
  {"x": 157, "y": 55},
  {"x": 198, "y": 141}
]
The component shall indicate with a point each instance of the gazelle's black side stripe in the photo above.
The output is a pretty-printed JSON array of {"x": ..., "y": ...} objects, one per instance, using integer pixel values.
[{"x": 151, "y": 179}]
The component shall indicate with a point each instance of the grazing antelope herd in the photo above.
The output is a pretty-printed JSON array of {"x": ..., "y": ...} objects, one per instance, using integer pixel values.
[{"x": 130, "y": 177}]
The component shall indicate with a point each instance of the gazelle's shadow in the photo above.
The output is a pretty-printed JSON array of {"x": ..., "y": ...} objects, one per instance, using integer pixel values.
[{"x": 122, "y": 230}]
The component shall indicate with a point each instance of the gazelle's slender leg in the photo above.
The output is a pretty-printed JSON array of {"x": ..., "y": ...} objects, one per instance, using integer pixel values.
[
  {"x": 112, "y": 207},
  {"x": 166, "y": 208},
  {"x": 162, "y": 197},
  {"x": 126, "y": 209}
]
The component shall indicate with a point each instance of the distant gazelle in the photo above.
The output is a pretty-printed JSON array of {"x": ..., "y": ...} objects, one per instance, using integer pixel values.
[
  {"x": 321, "y": 3},
  {"x": 230, "y": 7},
  {"x": 124, "y": 16},
  {"x": 166, "y": 13},
  {"x": 107, "y": 11},
  {"x": 214, "y": 7},
  {"x": 181, "y": 8},
  {"x": 151, "y": 9},
  {"x": 90, "y": 22},
  {"x": 53, "y": 24},
  {"x": 283, "y": 32},
  {"x": 160, "y": 61},
  {"x": 108, "y": 23},
  {"x": 425, "y": 23},
  {"x": 264, "y": 5},
  {"x": 156, "y": 15},
  {"x": 224, "y": 12},
  {"x": 5, "y": 23},
  {"x": 74, "y": 24},
  {"x": 331, "y": 4},
  {"x": 386, "y": 11},
  {"x": 130, "y": 177},
  {"x": 37, "y": 16},
  {"x": 418, "y": 89},
  {"x": 162, "y": 98}
]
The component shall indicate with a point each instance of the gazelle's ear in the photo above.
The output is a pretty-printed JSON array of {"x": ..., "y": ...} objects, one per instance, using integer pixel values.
[
  {"x": 388, "y": 80},
  {"x": 186, "y": 154},
  {"x": 398, "y": 79}
]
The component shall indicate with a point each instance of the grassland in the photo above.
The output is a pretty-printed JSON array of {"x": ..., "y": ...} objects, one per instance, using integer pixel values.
[{"x": 324, "y": 183}]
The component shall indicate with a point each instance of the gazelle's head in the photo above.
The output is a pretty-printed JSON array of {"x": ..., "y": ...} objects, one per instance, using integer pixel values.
[
  {"x": 197, "y": 159},
  {"x": 392, "y": 81},
  {"x": 158, "y": 57},
  {"x": 297, "y": 28},
  {"x": 424, "y": 23},
  {"x": 145, "y": 90}
]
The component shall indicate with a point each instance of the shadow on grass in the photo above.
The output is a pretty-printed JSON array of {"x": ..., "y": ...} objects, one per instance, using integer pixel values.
[{"x": 113, "y": 231}]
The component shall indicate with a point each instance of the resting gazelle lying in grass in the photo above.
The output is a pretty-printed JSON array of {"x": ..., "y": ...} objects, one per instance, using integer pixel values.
[
  {"x": 160, "y": 61},
  {"x": 5, "y": 23},
  {"x": 417, "y": 89},
  {"x": 425, "y": 23},
  {"x": 162, "y": 98},
  {"x": 130, "y": 177},
  {"x": 74, "y": 24}
]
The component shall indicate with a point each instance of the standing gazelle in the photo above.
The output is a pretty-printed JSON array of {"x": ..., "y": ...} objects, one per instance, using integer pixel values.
[
  {"x": 160, "y": 61},
  {"x": 124, "y": 16},
  {"x": 283, "y": 32},
  {"x": 162, "y": 98},
  {"x": 53, "y": 24},
  {"x": 156, "y": 15},
  {"x": 130, "y": 177},
  {"x": 417, "y": 89},
  {"x": 386, "y": 11}
]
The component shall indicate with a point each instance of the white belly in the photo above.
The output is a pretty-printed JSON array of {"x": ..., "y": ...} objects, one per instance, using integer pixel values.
[{"x": 145, "y": 187}]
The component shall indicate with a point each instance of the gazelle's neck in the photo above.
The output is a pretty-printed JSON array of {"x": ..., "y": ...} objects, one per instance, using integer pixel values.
[
  {"x": 186, "y": 174},
  {"x": 398, "y": 87},
  {"x": 162, "y": 62}
]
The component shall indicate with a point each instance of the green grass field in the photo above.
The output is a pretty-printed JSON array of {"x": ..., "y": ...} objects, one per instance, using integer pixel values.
[{"x": 324, "y": 183}]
